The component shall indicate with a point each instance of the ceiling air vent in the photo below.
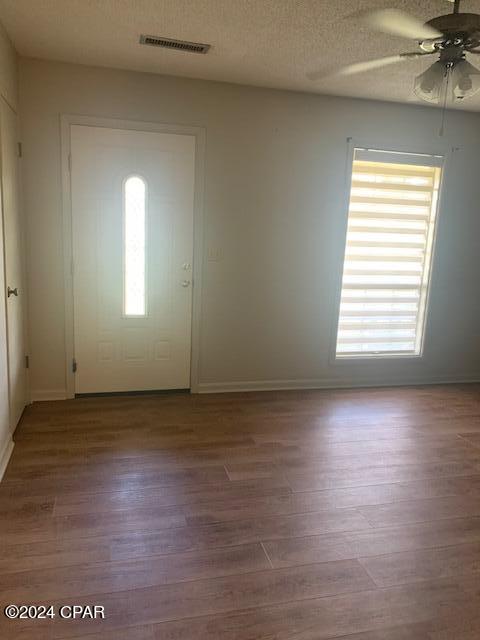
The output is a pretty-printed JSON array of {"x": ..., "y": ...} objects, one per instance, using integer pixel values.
[{"x": 179, "y": 45}]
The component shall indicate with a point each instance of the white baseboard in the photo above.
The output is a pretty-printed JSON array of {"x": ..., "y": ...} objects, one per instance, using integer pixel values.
[
  {"x": 286, "y": 385},
  {"x": 42, "y": 396},
  {"x": 5, "y": 456},
  {"x": 325, "y": 383}
]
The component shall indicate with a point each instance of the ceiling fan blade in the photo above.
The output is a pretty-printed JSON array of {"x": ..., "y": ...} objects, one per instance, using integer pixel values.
[
  {"x": 398, "y": 23},
  {"x": 368, "y": 65}
]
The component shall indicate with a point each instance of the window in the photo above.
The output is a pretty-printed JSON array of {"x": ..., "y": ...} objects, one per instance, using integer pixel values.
[
  {"x": 134, "y": 246},
  {"x": 391, "y": 220}
]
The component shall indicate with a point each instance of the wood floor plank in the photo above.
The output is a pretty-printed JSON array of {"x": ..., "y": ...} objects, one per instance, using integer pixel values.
[
  {"x": 451, "y": 453},
  {"x": 143, "y": 632},
  {"x": 119, "y": 469},
  {"x": 289, "y": 464},
  {"x": 41, "y": 528},
  {"x": 359, "y": 544},
  {"x": 464, "y": 486},
  {"x": 290, "y": 434},
  {"x": 406, "y": 632},
  {"x": 102, "y": 482},
  {"x": 197, "y": 495},
  {"x": 107, "y": 577},
  {"x": 316, "y": 448},
  {"x": 464, "y": 630},
  {"x": 426, "y": 564},
  {"x": 471, "y": 438},
  {"x": 27, "y": 507},
  {"x": 448, "y": 507},
  {"x": 256, "y": 507},
  {"x": 318, "y": 479}
]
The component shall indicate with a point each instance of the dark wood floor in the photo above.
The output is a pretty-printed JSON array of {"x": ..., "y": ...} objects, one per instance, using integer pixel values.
[{"x": 265, "y": 516}]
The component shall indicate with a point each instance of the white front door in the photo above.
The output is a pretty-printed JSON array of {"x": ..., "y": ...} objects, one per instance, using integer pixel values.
[
  {"x": 132, "y": 216},
  {"x": 14, "y": 276}
]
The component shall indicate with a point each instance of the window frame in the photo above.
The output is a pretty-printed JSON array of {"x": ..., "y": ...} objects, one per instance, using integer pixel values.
[
  {"x": 124, "y": 315},
  {"x": 427, "y": 149}
]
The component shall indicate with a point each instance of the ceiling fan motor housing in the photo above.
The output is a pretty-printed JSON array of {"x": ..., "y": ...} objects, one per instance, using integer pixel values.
[{"x": 460, "y": 29}]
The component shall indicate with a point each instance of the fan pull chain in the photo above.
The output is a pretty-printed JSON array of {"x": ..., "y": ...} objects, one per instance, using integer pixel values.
[{"x": 445, "y": 98}]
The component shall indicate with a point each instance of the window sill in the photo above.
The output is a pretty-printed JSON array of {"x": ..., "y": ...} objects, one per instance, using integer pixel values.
[{"x": 393, "y": 356}]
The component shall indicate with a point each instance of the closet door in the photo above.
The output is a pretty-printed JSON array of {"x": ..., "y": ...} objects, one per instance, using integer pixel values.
[
  {"x": 5, "y": 439},
  {"x": 14, "y": 277}
]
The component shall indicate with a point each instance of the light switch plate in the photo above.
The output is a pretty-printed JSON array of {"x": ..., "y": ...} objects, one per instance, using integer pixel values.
[{"x": 214, "y": 254}]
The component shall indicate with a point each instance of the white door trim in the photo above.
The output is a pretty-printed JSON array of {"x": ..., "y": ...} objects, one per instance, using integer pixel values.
[{"x": 66, "y": 122}]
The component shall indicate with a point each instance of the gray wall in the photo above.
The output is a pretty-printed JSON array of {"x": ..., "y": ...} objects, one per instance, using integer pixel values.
[{"x": 275, "y": 207}]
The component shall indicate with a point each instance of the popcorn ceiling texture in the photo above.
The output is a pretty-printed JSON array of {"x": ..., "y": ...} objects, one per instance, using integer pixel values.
[{"x": 268, "y": 43}]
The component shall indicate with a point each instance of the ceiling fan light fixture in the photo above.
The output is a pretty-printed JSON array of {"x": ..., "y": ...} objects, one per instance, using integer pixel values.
[
  {"x": 428, "y": 85},
  {"x": 465, "y": 80}
]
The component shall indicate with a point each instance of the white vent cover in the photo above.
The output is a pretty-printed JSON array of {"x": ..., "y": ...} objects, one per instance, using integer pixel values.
[{"x": 179, "y": 45}]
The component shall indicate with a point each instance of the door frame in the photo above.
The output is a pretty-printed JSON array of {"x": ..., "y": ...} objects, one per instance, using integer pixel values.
[{"x": 199, "y": 133}]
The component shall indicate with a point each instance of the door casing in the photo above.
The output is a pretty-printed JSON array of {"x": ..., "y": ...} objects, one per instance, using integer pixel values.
[{"x": 66, "y": 121}]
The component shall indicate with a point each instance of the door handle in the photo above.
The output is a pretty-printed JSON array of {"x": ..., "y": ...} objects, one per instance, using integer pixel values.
[
  {"x": 186, "y": 283},
  {"x": 12, "y": 292}
]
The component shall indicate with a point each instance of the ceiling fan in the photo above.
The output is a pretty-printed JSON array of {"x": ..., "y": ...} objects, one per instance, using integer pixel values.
[{"x": 451, "y": 37}]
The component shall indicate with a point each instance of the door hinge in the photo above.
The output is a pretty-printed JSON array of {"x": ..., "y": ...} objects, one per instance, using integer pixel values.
[
  {"x": 20, "y": 150},
  {"x": 27, "y": 362},
  {"x": 74, "y": 366}
]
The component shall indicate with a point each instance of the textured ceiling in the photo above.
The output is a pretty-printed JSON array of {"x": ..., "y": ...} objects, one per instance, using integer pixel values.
[{"x": 269, "y": 43}]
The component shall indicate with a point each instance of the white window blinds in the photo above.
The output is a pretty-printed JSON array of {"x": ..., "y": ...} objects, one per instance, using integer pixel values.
[{"x": 391, "y": 219}]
